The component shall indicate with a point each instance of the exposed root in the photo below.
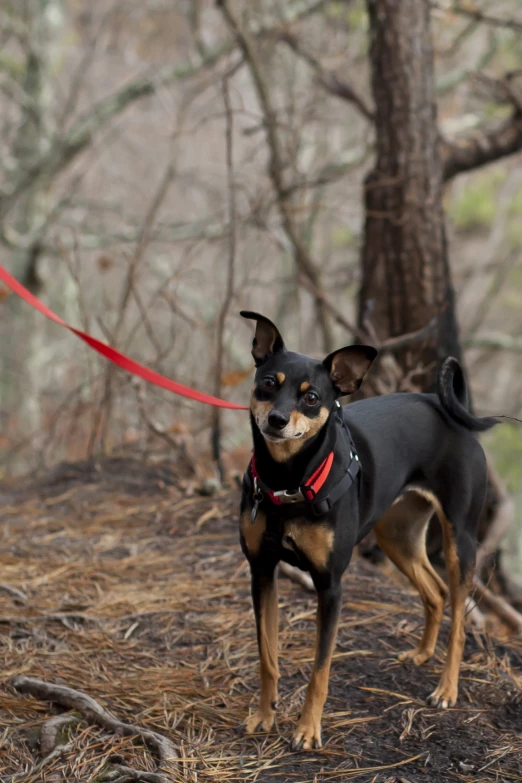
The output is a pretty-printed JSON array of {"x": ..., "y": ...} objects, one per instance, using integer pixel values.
[
  {"x": 93, "y": 712},
  {"x": 50, "y": 731}
]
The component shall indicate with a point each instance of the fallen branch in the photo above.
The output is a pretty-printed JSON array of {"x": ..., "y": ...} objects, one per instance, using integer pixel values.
[
  {"x": 498, "y": 605},
  {"x": 93, "y": 712},
  {"x": 297, "y": 576}
]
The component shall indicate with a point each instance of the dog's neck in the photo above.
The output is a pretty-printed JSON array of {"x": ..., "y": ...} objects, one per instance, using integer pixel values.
[{"x": 292, "y": 472}]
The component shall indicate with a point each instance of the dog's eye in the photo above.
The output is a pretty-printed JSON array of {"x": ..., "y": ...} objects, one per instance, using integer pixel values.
[
  {"x": 311, "y": 398},
  {"x": 268, "y": 384}
]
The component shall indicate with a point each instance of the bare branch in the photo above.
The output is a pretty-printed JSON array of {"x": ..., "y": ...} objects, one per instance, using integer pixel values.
[
  {"x": 495, "y": 342},
  {"x": 303, "y": 260},
  {"x": 80, "y": 136},
  {"x": 478, "y": 15},
  {"x": 329, "y": 80},
  {"x": 482, "y": 147}
]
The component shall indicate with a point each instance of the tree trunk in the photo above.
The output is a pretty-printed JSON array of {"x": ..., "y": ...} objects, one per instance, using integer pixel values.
[
  {"x": 405, "y": 273},
  {"x": 406, "y": 282},
  {"x": 25, "y": 355}
]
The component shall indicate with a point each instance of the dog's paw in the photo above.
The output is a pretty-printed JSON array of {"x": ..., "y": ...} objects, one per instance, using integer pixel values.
[
  {"x": 307, "y": 735},
  {"x": 416, "y": 656},
  {"x": 259, "y": 721},
  {"x": 443, "y": 696}
]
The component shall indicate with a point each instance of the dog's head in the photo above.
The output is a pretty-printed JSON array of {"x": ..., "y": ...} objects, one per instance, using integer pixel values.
[{"x": 293, "y": 394}]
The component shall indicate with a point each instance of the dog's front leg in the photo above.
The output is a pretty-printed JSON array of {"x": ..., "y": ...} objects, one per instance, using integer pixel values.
[
  {"x": 308, "y": 731},
  {"x": 264, "y": 597}
]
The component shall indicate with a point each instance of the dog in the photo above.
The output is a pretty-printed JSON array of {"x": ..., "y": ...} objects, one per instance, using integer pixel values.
[{"x": 322, "y": 476}]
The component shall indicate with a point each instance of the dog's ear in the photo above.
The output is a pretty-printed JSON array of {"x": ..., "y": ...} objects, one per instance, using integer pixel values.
[
  {"x": 267, "y": 339},
  {"x": 348, "y": 366}
]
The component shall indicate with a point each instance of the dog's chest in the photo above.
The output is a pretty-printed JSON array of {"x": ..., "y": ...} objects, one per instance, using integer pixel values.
[{"x": 309, "y": 542}]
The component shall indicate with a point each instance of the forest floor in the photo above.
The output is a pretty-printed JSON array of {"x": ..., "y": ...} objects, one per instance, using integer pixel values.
[{"x": 120, "y": 583}]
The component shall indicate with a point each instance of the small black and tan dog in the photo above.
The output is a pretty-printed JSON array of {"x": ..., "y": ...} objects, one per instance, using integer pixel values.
[{"x": 322, "y": 476}]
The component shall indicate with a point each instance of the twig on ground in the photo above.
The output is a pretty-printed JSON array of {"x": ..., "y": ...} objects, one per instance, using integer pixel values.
[
  {"x": 297, "y": 576},
  {"x": 118, "y": 773},
  {"x": 13, "y": 591}
]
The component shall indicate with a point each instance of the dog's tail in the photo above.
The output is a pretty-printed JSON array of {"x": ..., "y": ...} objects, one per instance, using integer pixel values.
[{"x": 453, "y": 396}]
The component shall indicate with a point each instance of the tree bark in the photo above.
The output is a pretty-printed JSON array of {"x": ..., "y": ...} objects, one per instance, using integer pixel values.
[{"x": 405, "y": 273}]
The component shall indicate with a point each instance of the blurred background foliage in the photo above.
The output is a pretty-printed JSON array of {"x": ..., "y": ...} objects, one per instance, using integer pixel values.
[{"x": 119, "y": 209}]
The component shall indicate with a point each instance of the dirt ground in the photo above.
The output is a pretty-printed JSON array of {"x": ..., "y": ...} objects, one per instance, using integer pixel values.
[{"x": 136, "y": 592}]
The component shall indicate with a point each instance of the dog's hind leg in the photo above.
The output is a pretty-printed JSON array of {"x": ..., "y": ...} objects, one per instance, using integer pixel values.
[
  {"x": 460, "y": 573},
  {"x": 401, "y": 534}
]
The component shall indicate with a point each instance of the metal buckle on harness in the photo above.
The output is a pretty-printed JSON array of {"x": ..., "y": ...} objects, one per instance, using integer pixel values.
[{"x": 284, "y": 496}]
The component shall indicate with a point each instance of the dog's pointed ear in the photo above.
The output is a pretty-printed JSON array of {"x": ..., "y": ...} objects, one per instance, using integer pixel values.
[
  {"x": 267, "y": 339},
  {"x": 348, "y": 366}
]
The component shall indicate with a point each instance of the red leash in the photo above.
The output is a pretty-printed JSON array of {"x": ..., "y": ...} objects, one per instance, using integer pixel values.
[{"x": 115, "y": 356}]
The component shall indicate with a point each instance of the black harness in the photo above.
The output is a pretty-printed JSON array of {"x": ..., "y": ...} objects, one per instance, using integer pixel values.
[{"x": 315, "y": 497}]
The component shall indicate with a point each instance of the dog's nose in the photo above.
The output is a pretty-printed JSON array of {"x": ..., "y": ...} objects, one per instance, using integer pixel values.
[{"x": 278, "y": 420}]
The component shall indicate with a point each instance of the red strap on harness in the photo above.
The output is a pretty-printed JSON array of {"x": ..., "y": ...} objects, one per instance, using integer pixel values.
[
  {"x": 312, "y": 485},
  {"x": 114, "y": 356},
  {"x": 317, "y": 479}
]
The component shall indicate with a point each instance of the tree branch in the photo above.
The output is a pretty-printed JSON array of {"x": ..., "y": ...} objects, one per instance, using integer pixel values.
[
  {"x": 482, "y": 147},
  {"x": 477, "y": 15},
  {"x": 98, "y": 116},
  {"x": 303, "y": 260},
  {"x": 327, "y": 79},
  {"x": 495, "y": 342}
]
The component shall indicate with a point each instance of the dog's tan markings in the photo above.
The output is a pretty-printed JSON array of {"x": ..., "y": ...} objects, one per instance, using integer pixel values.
[
  {"x": 260, "y": 409},
  {"x": 281, "y": 452},
  {"x": 401, "y": 534},
  {"x": 307, "y": 734},
  {"x": 268, "y": 667},
  {"x": 252, "y": 532},
  {"x": 304, "y": 386},
  {"x": 280, "y": 378},
  {"x": 313, "y": 540}
]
